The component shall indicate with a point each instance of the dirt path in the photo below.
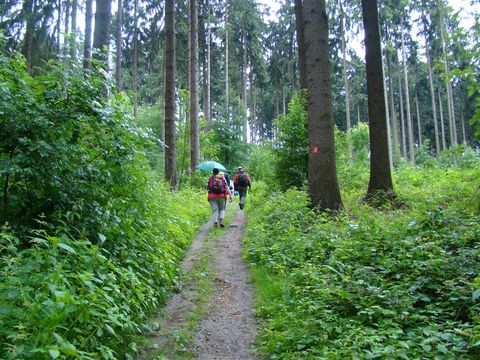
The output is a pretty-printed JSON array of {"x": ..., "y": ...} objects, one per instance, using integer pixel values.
[{"x": 224, "y": 326}]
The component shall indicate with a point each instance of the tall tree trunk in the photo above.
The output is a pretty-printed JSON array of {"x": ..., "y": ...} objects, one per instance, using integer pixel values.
[
  {"x": 227, "y": 112},
  {"x": 380, "y": 175},
  {"x": 432, "y": 95},
  {"x": 170, "y": 69},
  {"x": 411, "y": 140},
  {"x": 464, "y": 132},
  {"x": 118, "y": 68},
  {"x": 28, "y": 6},
  {"x": 194, "y": 127},
  {"x": 402, "y": 112},
  {"x": 442, "y": 122},
  {"x": 448, "y": 86},
  {"x": 207, "y": 109},
  {"x": 345, "y": 81},
  {"x": 387, "y": 114},
  {"x": 393, "y": 115},
  {"x": 73, "y": 34},
  {"x": 419, "y": 124},
  {"x": 67, "y": 28},
  {"x": 322, "y": 175},
  {"x": 58, "y": 26},
  {"x": 301, "y": 43},
  {"x": 244, "y": 90},
  {"x": 103, "y": 19},
  {"x": 135, "y": 58},
  {"x": 87, "y": 43}
]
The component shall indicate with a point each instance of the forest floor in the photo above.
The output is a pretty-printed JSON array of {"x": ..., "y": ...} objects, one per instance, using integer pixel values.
[{"x": 212, "y": 315}]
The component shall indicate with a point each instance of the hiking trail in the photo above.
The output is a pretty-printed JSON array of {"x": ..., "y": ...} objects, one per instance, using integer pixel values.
[{"x": 215, "y": 321}]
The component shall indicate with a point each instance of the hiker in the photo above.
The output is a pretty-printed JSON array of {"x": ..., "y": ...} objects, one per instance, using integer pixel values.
[
  {"x": 218, "y": 191},
  {"x": 241, "y": 182},
  {"x": 228, "y": 182}
]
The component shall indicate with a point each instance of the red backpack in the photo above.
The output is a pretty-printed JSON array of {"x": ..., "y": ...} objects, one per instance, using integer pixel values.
[{"x": 216, "y": 185}]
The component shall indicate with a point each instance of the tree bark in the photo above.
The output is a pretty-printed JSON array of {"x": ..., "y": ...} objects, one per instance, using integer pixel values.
[
  {"x": 103, "y": 18},
  {"x": 87, "y": 43},
  {"x": 345, "y": 81},
  {"x": 448, "y": 86},
  {"x": 207, "y": 100},
  {"x": 432, "y": 95},
  {"x": 396, "y": 140},
  {"x": 301, "y": 43},
  {"x": 227, "y": 112},
  {"x": 380, "y": 175},
  {"x": 194, "y": 127},
  {"x": 135, "y": 58},
  {"x": 170, "y": 69},
  {"x": 411, "y": 140},
  {"x": 419, "y": 124},
  {"x": 29, "y": 33},
  {"x": 67, "y": 28},
  {"x": 442, "y": 122},
  {"x": 402, "y": 112},
  {"x": 322, "y": 176},
  {"x": 73, "y": 33},
  {"x": 118, "y": 42}
]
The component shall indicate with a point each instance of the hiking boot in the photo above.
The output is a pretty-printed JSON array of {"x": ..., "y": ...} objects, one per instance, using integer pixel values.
[
  {"x": 215, "y": 224},
  {"x": 222, "y": 225},
  {"x": 241, "y": 206}
]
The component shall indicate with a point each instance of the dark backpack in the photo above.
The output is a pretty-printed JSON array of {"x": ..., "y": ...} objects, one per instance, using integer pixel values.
[
  {"x": 242, "y": 181},
  {"x": 216, "y": 185}
]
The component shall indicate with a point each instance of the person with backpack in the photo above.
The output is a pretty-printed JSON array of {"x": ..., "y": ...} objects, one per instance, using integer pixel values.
[
  {"x": 218, "y": 191},
  {"x": 241, "y": 183}
]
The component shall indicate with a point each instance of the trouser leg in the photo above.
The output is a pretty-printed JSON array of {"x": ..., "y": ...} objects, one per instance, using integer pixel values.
[
  {"x": 214, "y": 205},
  {"x": 243, "y": 194},
  {"x": 221, "y": 211}
]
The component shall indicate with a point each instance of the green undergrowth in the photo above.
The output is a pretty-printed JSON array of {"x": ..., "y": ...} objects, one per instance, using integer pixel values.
[
  {"x": 370, "y": 284},
  {"x": 90, "y": 236},
  {"x": 180, "y": 341}
]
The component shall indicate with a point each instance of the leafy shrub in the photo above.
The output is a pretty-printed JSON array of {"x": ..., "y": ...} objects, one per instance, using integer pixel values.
[
  {"x": 91, "y": 239},
  {"x": 291, "y": 146},
  {"x": 370, "y": 284}
]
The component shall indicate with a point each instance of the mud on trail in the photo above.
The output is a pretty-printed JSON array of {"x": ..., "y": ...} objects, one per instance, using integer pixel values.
[{"x": 212, "y": 316}]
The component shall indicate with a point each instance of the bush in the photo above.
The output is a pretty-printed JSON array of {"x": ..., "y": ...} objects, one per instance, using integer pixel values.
[
  {"x": 91, "y": 239},
  {"x": 370, "y": 284}
]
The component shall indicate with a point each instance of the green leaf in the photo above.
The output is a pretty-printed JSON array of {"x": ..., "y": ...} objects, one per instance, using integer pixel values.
[
  {"x": 54, "y": 353},
  {"x": 476, "y": 295},
  {"x": 66, "y": 248}
]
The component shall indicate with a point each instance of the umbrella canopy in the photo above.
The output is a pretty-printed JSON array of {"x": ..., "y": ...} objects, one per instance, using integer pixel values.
[{"x": 210, "y": 165}]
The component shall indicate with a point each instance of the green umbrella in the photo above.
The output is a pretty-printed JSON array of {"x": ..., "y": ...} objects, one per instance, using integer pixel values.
[{"x": 210, "y": 165}]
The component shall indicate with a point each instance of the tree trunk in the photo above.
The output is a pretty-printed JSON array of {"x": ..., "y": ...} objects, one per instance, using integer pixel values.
[
  {"x": 135, "y": 58},
  {"x": 118, "y": 69},
  {"x": 411, "y": 148},
  {"x": 73, "y": 37},
  {"x": 227, "y": 112},
  {"x": 464, "y": 132},
  {"x": 301, "y": 43},
  {"x": 380, "y": 176},
  {"x": 58, "y": 26},
  {"x": 170, "y": 68},
  {"x": 322, "y": 175},
  {"x": 442, "y": 122},
  {"x": 432, "y": 95},
  {"x": 419, "y": 125},
  {"x": 29, "y": 33},
  {"x": 448, "y": 86},
  {"x": 194, "y": 127},
  {"x": 67, "y": 28},
  {"x": 345, "y": 81},
  {"x": 402, "y": 112},
  {"x": 87, "y": 43},
  {"x": 207, "y": 109},
  {"x": 396, "y": 140},
  {"x": 103, "y": 18}
]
